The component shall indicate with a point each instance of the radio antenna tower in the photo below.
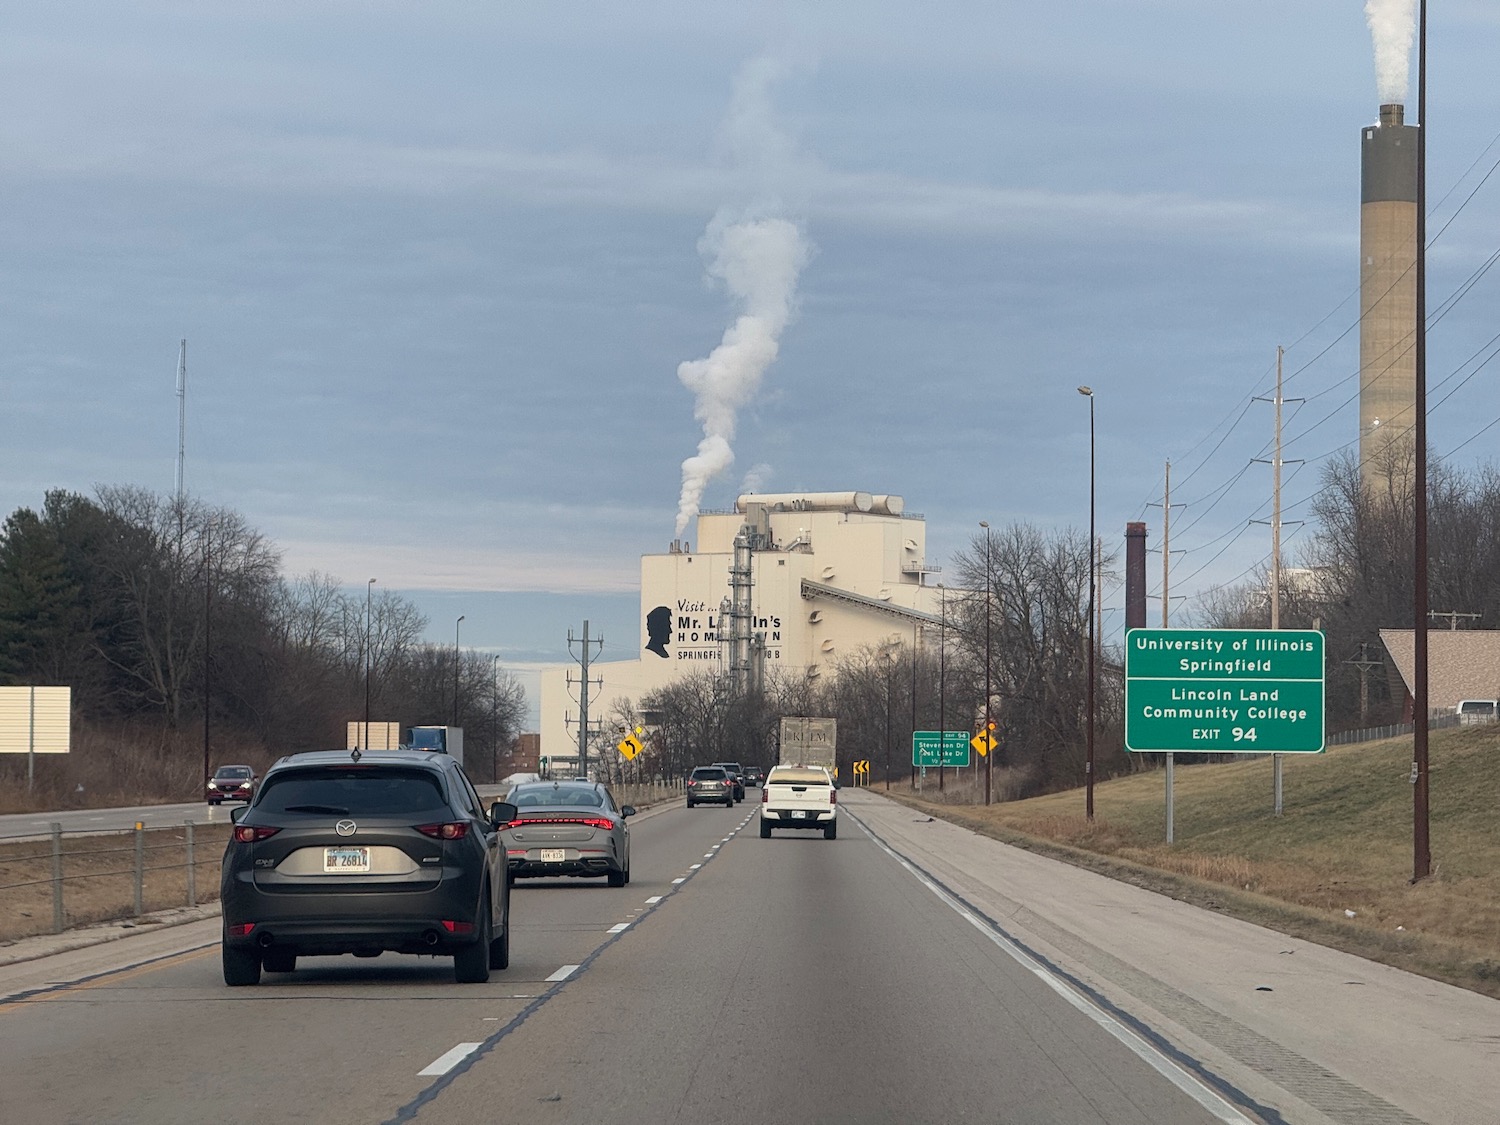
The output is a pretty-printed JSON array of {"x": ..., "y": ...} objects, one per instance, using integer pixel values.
[{"x": 181, "y": 416}]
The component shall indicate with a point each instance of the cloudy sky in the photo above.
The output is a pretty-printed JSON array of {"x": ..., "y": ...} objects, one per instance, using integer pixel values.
[{"x": 438, "y": 265}]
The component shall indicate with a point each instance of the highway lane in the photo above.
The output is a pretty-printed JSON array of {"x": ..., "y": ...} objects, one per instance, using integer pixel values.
[
  {"x": 37, "y": 825},
  {"x": 341, "y": 1040},
  {"x": 815, "y": 980}
]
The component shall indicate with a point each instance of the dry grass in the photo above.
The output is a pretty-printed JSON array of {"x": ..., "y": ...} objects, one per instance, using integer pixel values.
[
  {"x": 99, "y": 877},
  {"x": 1343, "y": 843}
]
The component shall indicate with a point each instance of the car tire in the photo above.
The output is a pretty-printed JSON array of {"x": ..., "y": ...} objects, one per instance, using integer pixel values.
[
  {"x": 765, "y": 829},
  {"x": 832, "y": 831},
  {"x": 471, "y": 963},
  {"x": 279, "y": 961},
  {"x": 617, "y": 879},
  {"x": 690, "y": 804},
  {"x": 500, "y": 949},
  {"x": 215, "y": 804},
  {"x": 241, "y": 966}
]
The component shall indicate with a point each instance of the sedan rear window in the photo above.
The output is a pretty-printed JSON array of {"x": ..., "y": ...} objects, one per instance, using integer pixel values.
[
  {"x": 562, "y": 796},
  {"x": 352, "y": 790}
]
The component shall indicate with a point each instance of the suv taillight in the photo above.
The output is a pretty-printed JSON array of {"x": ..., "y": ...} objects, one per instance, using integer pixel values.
[
  {"x": 250, "y": 833},
  {"x": 453, "y": 830}
]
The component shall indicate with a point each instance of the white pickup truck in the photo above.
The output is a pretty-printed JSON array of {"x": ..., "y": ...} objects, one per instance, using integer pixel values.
[{"x": 799, "y": 797}]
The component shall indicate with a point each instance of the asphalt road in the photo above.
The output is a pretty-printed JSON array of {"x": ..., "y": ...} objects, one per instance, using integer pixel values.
[{"x": 735, "y": 980}]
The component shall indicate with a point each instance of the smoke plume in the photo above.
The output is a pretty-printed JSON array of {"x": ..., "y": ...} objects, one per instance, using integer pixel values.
[
  {"x": 1393, "y": 25},
  {"x": 756, "y": 254}
]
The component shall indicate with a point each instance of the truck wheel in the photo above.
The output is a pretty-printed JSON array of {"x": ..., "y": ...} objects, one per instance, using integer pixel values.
[
  {"x": 832, "y": 831},
  {"x": 765, "y": 829}
]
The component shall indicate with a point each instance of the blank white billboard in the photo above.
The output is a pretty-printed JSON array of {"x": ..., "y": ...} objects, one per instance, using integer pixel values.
[{"x": 35, "y": 720}]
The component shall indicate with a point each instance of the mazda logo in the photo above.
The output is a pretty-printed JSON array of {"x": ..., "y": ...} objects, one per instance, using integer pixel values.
[{"x": 345, "y": 827}]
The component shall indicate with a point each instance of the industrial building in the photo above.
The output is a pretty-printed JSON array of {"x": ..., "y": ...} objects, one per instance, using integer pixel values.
[{"x": 786, "y": 583}]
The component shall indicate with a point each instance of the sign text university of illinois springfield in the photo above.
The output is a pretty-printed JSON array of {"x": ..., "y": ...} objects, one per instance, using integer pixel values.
[{"x": 1227, "y": 691}]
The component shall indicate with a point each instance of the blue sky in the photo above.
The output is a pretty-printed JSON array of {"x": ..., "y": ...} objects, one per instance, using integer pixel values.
[{"x": 438, "y": 264}]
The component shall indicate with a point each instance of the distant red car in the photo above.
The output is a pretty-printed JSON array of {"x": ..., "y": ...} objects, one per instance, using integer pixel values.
[{"x": 231, "y": 783}]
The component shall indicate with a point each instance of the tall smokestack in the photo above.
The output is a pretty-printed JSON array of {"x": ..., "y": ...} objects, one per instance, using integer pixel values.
[
  {"x": 1387, "y": 289},
  {"x": 1135, "y": 575}
]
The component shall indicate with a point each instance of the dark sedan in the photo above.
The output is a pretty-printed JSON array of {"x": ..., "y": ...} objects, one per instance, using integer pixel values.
[
  {"x": 568, "y": 829},
  {"x": 348, "y": 853}
]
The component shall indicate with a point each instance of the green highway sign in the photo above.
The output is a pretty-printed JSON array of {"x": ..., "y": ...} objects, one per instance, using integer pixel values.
[
  {"x": 1225, "y": 691},
  {"x": 940, "y": 748}
]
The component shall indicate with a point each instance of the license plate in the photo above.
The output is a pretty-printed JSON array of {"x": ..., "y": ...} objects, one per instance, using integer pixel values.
[
  {"x": 799, "y": 814},
  {"x": 554, "y": 855},
  {"x": 346, "y": 861}
]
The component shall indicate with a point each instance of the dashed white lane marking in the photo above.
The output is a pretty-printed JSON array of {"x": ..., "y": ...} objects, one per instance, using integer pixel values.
[
  {"x": 682, "y": 880},
  {"x": 444, "y": 1063},
  {"x": 695, "y": 867},
  {"x": 562, "y": 974},
  {"x": 653, "y": 900},
  {"x": 621, "y": 928},
  {"x": 708, "y": 855}
]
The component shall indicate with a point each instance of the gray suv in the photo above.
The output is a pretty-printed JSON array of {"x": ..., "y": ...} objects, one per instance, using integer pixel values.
[
  {"x": 710, "y": 784},
  {"x": 343, "y": 852}
]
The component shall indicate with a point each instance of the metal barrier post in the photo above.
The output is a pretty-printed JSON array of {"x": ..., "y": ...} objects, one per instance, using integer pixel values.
[
  {"x": 57, "y": 879},
  {"x": 140, "y": 867},
  {"x": 192, "y": 870}
]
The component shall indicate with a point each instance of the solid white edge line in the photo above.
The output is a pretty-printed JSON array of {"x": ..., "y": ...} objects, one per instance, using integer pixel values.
[
  {"x": 619, "y": 929},
  {"x": 562, "y": 974},
  {"x": 444, "y": 1063},
  {"x": 1146, "y": 1052}
]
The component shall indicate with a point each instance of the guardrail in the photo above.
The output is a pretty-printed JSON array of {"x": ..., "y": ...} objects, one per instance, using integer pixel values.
[
  {"x": 103, "y": 875},
  {"x": 76, "y": 878}
]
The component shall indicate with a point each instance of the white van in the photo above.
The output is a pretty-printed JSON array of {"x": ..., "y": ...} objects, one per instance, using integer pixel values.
[{"x": 1478, "y": 711}]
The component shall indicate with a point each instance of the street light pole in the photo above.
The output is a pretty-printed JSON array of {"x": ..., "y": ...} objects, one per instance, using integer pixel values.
[
  {"x": 1088, "y": 768},
  {"x": 989, "y": 758},
  {"x": 369, "y": 591},
  {"x": 456, "y": 624},
  {"x": 942, "y": 680},
  {"x": 495, "y": 717}
]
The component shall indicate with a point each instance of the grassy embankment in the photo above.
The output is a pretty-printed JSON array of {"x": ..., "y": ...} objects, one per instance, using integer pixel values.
[{"x": 1343, "y": 843}]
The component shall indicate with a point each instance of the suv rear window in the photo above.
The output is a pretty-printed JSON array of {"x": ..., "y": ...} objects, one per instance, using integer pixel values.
[
  {"x": 353, "y": 790},
  {"x": 709, "y": 773}
]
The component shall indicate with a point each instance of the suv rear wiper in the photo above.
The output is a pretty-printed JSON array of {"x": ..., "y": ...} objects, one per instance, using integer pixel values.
[{"x": 331, "y": 810}]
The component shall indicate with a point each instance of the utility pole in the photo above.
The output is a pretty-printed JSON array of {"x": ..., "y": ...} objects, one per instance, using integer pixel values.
[
  {"x": 1276, "y": 463},
  {"x": 584, "y": 658},
  {"x": 181, "y": 419},
  {"x": 1453, "y": 617},
  {"x": 1364, "y": 665}
]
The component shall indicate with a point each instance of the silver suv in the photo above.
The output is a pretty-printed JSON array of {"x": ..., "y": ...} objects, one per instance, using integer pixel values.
[{"x": 710, "y": 784}]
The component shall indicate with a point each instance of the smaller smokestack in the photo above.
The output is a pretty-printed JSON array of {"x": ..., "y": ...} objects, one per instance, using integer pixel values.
[
  {"x": 1392, "y": 114},
  {"x": 1135, "y": 575}
]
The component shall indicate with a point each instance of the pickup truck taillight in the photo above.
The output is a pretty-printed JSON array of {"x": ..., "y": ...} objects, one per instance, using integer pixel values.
[
  {"x": 833, "y": 797},
  {"x": 764, "y": 796}
]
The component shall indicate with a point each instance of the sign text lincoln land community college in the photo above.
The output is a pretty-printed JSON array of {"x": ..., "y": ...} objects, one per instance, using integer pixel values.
[{"x": 1226, "y": 690}]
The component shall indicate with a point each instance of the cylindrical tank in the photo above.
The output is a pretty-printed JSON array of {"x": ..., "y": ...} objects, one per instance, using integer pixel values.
[
  {"x": 1387, "y": 289},
  {"x": 808, "y": 501},
  {"x": 887, "y": 505}
]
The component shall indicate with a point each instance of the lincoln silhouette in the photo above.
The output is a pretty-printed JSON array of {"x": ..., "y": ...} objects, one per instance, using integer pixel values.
[{"x": 659, "y": 629}]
